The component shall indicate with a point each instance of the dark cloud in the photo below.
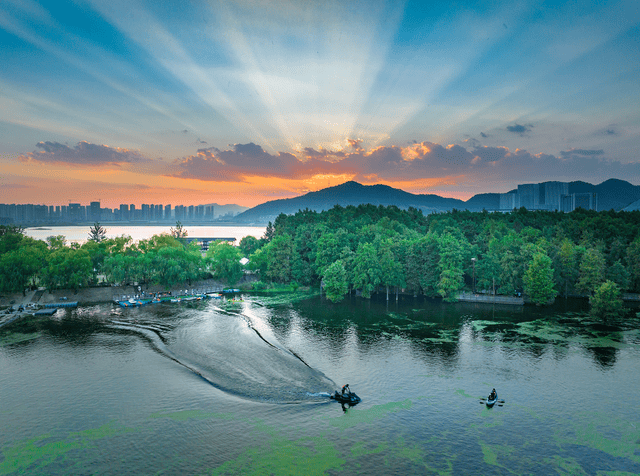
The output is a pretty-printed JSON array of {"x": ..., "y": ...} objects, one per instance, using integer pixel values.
[
  {"x": 83, "y": 153},
  {"x": 201, "y": 141},
  {"x": 185, "y": 131},
  {"x": 245, "y": 160},
  {"x": 519, "y": 128},
  {"x": 311, "y": 153},
  {"x": 482, "y": 134},
  {"x": 610, "y": 132},
  {"x": 581, "y": 152}
]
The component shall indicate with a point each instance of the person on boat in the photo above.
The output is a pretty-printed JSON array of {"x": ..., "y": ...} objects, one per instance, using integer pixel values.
[
  {"x": 346, "y": 388},
  {"x": 493, "y": 394}
]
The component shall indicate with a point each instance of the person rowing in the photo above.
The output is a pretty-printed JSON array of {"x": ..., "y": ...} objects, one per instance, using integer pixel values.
[{"x": 493, "y": 394}]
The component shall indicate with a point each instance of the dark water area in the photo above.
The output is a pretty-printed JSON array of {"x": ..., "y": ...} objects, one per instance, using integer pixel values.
[{"x": 221, "y": 387}]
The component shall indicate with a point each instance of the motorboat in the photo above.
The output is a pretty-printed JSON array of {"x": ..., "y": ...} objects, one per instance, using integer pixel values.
[{"x": 348, "y": 397}]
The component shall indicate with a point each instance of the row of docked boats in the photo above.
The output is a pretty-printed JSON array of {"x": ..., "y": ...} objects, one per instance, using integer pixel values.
[{"x": 138, "y": 301}]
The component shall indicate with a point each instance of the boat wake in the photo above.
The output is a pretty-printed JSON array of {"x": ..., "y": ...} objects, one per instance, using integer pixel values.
[{"x": 230, "y": 353}]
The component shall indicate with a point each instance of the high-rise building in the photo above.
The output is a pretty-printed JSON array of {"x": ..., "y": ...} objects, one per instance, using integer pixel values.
[
  {"x": 76, "y": 212},
  {"x": 587, "y": 201},
  {"x": 124, "y": 212},
  {"x": 509, "y": 201},
  {"x": 552, "y": 192},
  {"x": 94, "y": 211},
  {"x": 529, "y": 196},
  {"x": 167, "y": 212}
]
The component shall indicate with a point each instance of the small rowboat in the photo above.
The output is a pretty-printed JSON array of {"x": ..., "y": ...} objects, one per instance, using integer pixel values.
[{"x": 491, "y": 402}]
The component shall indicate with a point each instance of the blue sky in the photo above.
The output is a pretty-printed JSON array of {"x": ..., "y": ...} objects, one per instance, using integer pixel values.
[{"x": 193, "y": 102}]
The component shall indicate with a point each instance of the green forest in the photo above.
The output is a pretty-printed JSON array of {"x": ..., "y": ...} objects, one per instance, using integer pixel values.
[{"x": 363, "y": 249}]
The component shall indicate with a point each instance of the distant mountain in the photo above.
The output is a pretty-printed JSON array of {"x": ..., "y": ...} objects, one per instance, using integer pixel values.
[
  {"x": 349, "y": 193},
  {"x": 613, "y": 193}
]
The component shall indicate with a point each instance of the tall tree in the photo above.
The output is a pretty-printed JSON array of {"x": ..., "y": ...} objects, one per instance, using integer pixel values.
[
  {"x": 179, "y": 232},
  {"x": 366, "y": 269},
  {"x": 248, "y": 245},
  {"x": 450, "y": 266},
  {"x": 592, "y": 271},
  {"x": 97, "y": 233},
  {"x": 633, "y": 261},
  {"x": 538, "y": 280},
  {"x": 280, "y": 254},
  {"x": 225, "y": 260},
  {"x": 606, "y": 302},
  {"x": 618, "y": 273},
  {"x": 335, "y": 281}
]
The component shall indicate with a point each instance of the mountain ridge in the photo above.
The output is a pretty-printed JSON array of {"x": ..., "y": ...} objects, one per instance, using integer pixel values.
[{"x": 612, "y": 194}]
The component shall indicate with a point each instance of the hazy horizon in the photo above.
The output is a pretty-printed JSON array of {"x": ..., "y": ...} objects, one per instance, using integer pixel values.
[
  {"x": 137, "y": 205},
  {"x": 246, "y": 102}
]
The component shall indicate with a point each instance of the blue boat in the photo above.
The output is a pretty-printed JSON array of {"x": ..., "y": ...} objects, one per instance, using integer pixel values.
[
  {"x": 491, "y": 401},
  {"x": 61, "y": 304}
]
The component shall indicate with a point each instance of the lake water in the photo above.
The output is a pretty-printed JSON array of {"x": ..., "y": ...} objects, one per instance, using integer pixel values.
[
  {"x": 221, "y": 387},
  {"x": 80, "y": 233}
]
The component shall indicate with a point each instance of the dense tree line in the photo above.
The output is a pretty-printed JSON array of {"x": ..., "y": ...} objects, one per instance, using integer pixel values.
[
  {"x": 162, "y": 259},
  {"x": 367, "y": 248},
  {"x": 363, "y": 249}
]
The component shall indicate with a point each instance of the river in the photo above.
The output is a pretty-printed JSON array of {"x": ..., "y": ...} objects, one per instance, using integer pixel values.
[
  {"x": 80, "y": 233},
  {"x": 222, "y": 387}
]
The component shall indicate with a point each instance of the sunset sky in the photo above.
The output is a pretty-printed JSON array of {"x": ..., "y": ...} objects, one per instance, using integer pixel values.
[{"x": 247, "y": 101}]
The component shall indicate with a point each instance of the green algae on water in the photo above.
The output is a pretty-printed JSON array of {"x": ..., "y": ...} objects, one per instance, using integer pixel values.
[
  {"x": 355, "y": 416},
  {"x": 185, "y": 415},
  {"x": 35, "y": 454},
  {"x": 310, "y": 456},
  {"x": 17, "y": 337}
]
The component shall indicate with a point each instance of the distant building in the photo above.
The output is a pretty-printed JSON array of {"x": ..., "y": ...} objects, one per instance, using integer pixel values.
[
  {"x": 509, "y": 201},
  {"x": 553, "y": 192},
  {"x": 587, "y": 201},
  {"x": 94, "y": 211},
  {"x": 529, "y": 196}
]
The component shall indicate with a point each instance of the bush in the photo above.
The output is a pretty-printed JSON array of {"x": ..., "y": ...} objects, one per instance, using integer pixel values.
[
  {"x": 606, "y": 302},
  {"x": 258, "y": 286}
]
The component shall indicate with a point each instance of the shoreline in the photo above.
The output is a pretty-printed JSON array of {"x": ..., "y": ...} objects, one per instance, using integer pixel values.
[{"x": 101, "y": 294}]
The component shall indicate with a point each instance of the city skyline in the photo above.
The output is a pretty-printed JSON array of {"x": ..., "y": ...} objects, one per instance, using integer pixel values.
[{"x": 245, "y": 102}]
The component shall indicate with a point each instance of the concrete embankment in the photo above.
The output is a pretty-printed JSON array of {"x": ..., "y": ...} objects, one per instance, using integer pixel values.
[
  {"x": 490, "y": 299},
  {"x": 99, "y": 294}
]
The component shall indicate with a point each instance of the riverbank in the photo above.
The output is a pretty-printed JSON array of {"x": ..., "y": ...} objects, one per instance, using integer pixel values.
[{"x": 102, "y": 294}]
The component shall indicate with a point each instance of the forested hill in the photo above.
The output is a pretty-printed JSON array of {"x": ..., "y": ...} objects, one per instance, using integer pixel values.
[
  {"x": 612, "y": 194},
  {"x": 353, "y": 193}
]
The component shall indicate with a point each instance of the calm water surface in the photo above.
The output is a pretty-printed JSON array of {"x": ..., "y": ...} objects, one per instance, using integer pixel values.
[
  {"x": 80, "y": 233},
  {"x": 219, "y": 387}
]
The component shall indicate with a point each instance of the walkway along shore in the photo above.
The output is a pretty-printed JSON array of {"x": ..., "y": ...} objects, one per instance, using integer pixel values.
[{"x": 99, "y": 294}]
